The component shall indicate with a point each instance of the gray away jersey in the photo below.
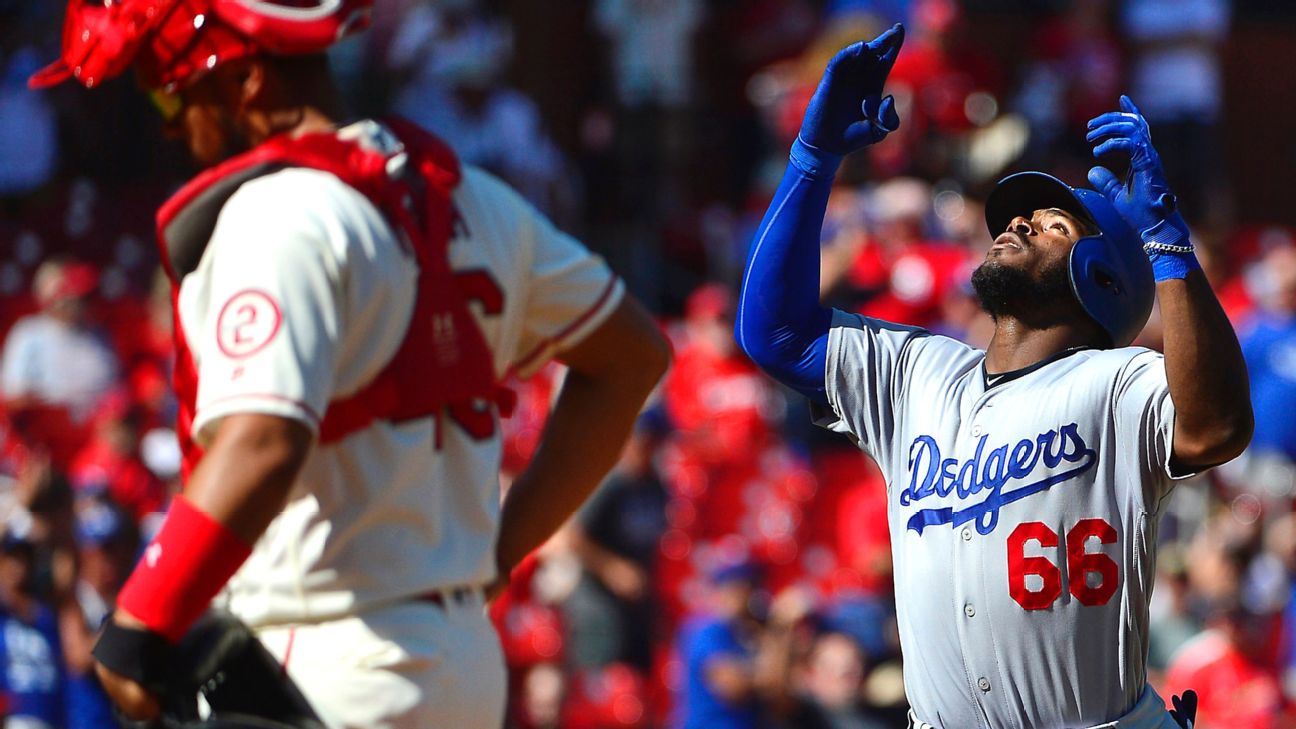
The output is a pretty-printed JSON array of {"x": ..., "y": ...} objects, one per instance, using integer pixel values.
[{"x": 1023, "y": 520}]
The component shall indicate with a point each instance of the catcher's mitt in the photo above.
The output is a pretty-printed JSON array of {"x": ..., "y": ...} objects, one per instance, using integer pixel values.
[{"x": 241, "y": 684}]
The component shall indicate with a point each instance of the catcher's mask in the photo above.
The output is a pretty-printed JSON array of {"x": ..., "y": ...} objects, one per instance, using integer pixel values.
[
  {"x": 1110, "y": 274},
  {"x": 173, "y": 42}
]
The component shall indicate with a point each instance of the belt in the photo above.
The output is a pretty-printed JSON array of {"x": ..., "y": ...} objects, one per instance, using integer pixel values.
[{"x": 452, "y": 596}]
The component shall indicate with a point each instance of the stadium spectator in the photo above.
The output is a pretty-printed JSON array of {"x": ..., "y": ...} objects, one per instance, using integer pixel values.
[
  {"x": 617, "y": 536},
  {"x": 30, "y": 653},
  {"x": 1269, "y": 344},
  {"x": 1073, "y": 73},
  {"x": 1173, "y": 622},
  {"x": 106, "y": 546},
  {"x": 455, "y": 56},
  {"x": 111, "y": 462},
  {"x": 1236, "y": 682},
  {"x": 28, "y": 127},
  {"x": 720, "y": 404},
  {"x": 1177, "y": 76},
  {"x": 57, "y": 365},
  {"x": 719, "y": 653},
  {"x": 832, "y": 687}
]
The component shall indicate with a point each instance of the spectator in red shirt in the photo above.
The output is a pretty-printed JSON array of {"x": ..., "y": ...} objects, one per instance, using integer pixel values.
[
  {"x": 1236, "y": 683},
  {"x": 722, "y": 406},
  {"x": 110, "y": 463},
  {"x": 57, "y": 365}
]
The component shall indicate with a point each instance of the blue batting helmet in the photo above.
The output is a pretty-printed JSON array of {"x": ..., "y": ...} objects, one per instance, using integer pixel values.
[{"x": 1110, "y": 273}]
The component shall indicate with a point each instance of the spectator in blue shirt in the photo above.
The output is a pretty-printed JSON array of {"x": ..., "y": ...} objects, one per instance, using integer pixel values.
[
  {"x": 31, "y": 657},
  {"x": 719, "y": 652},
  {"x": 1269, "y": 346},
  {"x": 107, "y": 542}
]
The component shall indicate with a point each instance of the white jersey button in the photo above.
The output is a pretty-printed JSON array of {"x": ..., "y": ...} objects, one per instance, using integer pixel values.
[
  {"x": 983, "y": 683},
  {"x": 968, "y": 610},
  {"x": 976, "y": 430},
  {"x": 967, "y": 534}
]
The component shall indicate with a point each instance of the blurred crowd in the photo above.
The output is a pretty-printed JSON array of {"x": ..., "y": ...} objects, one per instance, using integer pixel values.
[{"x": 734, "y": 571}]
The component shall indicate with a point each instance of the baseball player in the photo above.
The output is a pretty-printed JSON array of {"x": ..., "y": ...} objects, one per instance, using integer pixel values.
[
  {"x": 347, "y": 299},
  {"x": 1024, "y": 482}
]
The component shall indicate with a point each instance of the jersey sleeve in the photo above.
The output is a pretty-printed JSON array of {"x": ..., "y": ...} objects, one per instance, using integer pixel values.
[
  {"x": 569, "y": 292},
  {"x": 1145, "y": 415},
  {"x": 864, "y": 369},
  {"x": 273, "y": 317}
]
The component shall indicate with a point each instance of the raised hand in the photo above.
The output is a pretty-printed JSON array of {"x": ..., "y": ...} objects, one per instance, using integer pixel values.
[
  {"x": 1145, "y": 202},
  {"x": 847, "y": 111}
]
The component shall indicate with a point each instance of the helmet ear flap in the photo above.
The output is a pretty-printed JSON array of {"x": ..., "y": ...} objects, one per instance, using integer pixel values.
[
  {"x": 1088, "y": 276},
  {"x": 1107, "y": 291}
]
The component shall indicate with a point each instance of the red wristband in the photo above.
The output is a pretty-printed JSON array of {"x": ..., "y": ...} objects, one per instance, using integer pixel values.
[{"x": 189, "y": 561}]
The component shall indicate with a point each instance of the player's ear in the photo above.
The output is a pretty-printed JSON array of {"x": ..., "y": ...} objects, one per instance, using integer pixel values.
[{"x": 251, "y": 75}]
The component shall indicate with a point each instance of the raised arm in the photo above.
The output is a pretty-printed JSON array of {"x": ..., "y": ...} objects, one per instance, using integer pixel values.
[
  {"x": 780, "y": 322},
  {"x": 1205, "y": 371}
]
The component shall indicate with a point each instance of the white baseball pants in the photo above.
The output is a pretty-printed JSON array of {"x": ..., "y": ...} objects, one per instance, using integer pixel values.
[{"x": 413, "y": 664}]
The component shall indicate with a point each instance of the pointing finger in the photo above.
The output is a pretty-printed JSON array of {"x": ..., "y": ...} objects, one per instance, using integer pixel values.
[
  {"x": 1113, "y": 145},
  {"x": 1121, "y": 129},
  {"x": 1127, "y": 104}
]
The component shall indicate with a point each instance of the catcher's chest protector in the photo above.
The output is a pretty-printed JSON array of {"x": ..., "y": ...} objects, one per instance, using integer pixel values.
[{"x": 443, "y": 361}]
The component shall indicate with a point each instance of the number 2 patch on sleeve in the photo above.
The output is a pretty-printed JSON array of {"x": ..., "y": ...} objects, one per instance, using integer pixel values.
[{"x": 247, "y": 323}]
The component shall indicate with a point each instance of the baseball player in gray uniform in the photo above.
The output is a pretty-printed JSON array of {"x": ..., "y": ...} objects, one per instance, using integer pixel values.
[{"x": 1024, "y": 482}]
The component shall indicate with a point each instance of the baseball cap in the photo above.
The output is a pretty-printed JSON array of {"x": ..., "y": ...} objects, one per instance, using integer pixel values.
[
  {"x": 744, "y": 571},
  {"x": 99, "y": 524},
  {"x": 58, "y": 280}
]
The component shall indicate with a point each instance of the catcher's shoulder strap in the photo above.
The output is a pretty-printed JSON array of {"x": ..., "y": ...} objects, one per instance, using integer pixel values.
[
  {"x": 409, "y": 175},
  {"x": 186, "y": 221}
]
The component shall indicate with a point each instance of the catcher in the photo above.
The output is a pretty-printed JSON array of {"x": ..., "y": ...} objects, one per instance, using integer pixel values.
[{"x": 347, "y": 301}]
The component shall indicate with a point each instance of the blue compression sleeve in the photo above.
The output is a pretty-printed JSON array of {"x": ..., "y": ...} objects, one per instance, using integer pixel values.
[{"x": 781, "y": 324}]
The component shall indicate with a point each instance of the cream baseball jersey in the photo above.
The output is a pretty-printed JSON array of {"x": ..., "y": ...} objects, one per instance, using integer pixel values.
[
  {"x": 302, "y": 296},
  {"x": 1023, "y": 519}
]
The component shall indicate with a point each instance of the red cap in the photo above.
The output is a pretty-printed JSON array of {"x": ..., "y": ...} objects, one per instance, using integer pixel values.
[
  {"x": 710, "y": 301},
  {"x": 56, "y": 281}
]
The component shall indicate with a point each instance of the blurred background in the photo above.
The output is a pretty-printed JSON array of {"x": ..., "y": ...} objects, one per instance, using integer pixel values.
[{"x": 735, "y": 570}]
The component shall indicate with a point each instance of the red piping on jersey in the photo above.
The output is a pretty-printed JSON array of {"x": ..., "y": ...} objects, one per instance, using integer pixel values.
[
  {"x": 292, "y": 634},
  {"x": 443, "y": 359},
  {"x": 580, "y": 321}
]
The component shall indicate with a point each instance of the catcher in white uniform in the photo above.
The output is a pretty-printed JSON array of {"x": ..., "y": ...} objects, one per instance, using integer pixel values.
[
  {"x": 1024, "y": 482},
  {"x": 347, "y": 301}
]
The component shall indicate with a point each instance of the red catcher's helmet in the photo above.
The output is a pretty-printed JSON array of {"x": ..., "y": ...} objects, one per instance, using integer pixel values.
[{"x": 175, "y": 41}]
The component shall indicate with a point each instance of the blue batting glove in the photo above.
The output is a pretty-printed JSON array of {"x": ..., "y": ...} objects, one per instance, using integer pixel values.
[
  {"x": 1146, "y": 202},
  {"x": 847, "y": 112}
]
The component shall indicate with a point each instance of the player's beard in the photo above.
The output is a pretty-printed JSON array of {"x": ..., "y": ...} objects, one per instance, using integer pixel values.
[{"x": 1008, "y": 290}]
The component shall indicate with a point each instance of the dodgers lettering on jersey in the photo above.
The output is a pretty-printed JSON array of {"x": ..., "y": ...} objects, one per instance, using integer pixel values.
[
  {"x": 940, "y": 477},
  {"x": 1022, "y": 519}
]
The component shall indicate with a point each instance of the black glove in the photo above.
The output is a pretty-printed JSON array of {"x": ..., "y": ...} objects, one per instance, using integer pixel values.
[
  {"x": 1185, "y": 709},
  {"x": 220, "y": 658}
]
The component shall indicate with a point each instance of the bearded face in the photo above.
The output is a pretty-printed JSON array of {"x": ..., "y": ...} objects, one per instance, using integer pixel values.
[{"x": 1005, "y": 289}]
